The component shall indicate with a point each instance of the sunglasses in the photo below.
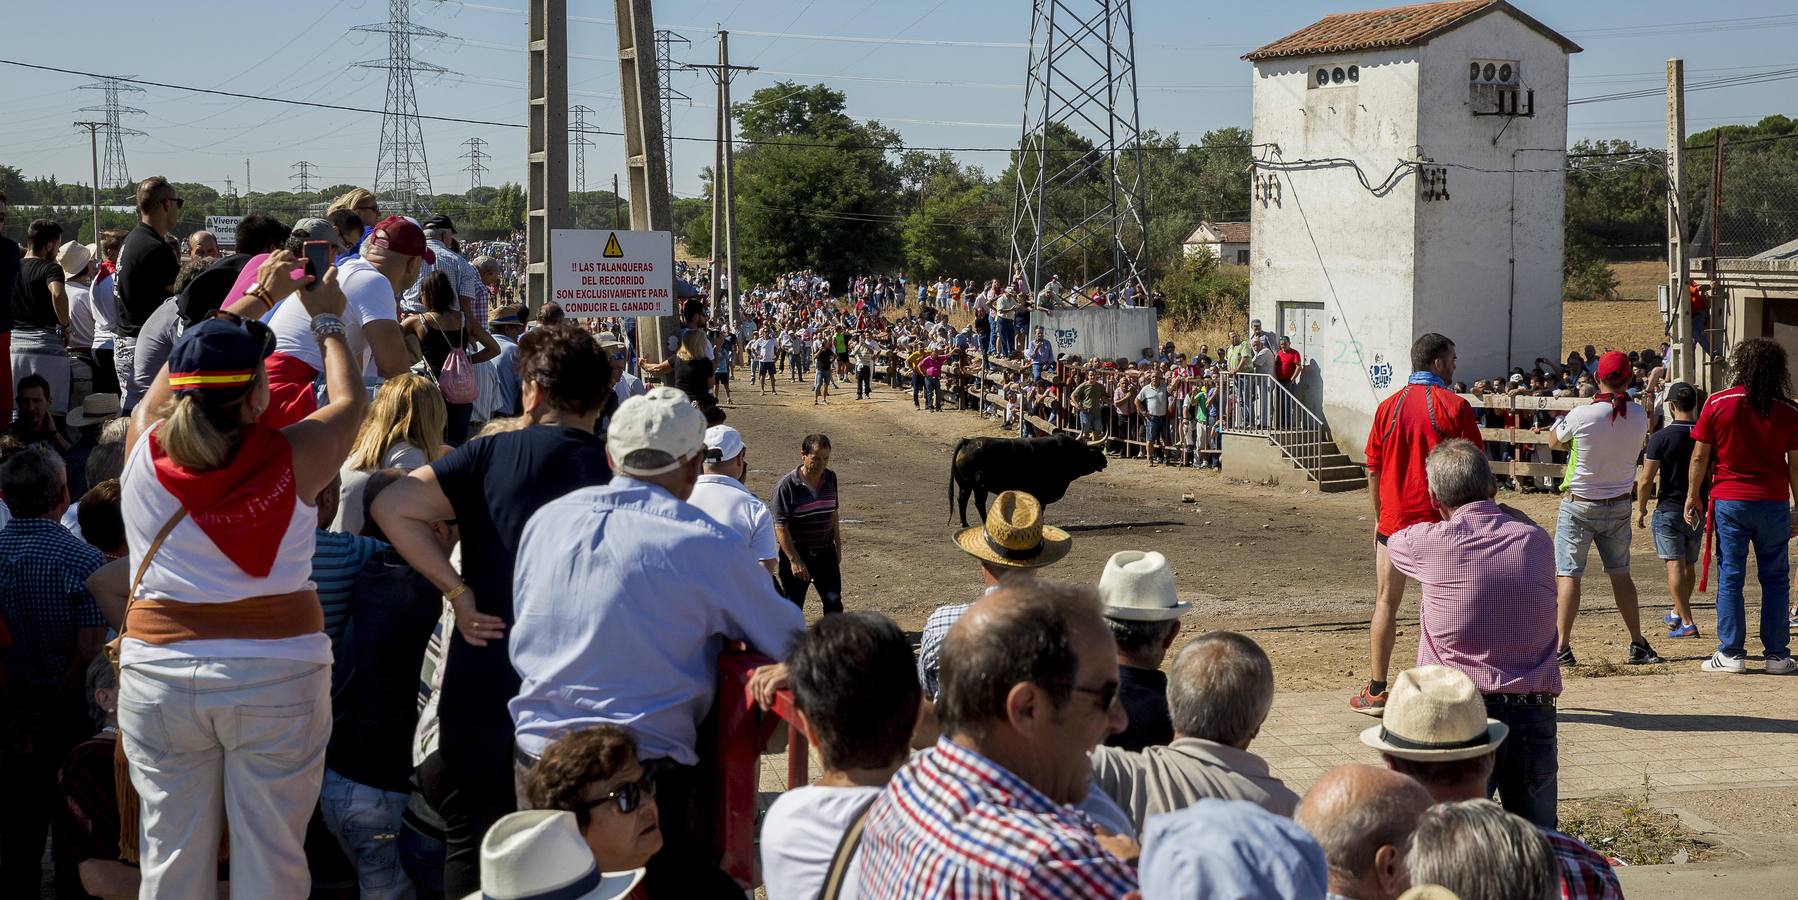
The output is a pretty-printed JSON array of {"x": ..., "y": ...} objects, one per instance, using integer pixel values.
[
  {"x": 265, "y": 338},
  {"x": 629, "y": 797},
  {"x": 179, "y": 202}
]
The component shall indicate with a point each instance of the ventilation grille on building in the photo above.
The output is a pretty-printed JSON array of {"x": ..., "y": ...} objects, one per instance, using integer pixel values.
[
  {"x": 1335, "y": 75},
  {"x": 1495, "y": 89}
]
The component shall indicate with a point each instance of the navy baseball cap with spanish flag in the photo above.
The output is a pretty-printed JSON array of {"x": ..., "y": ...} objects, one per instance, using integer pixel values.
[
  {"x": 402, "y": 235},
  {"x": 219, "y": 355}
]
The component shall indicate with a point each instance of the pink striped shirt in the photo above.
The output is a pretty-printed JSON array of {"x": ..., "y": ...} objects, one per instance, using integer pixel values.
[{"x": 1488, "y": 604}]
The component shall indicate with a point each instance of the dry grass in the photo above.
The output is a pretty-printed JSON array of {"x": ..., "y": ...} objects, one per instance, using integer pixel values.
[{"x": 1630, "y": 829}]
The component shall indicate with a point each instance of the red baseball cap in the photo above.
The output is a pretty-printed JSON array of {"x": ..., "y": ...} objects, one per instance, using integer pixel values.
[
  {"x": 402, "y": 235},
  {"x": 1613, "y": 366}
]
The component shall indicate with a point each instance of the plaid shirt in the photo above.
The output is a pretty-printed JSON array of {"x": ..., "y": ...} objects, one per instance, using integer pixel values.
[
  {"x": 44, "y": 599},
  {"x": 953, "y": 824},
  {"x": 930, "y": 643},
  {"x": 1584, "y": 874}
]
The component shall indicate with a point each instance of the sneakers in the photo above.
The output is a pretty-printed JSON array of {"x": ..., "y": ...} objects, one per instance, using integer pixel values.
[
  {"x": 1688, "y": 630},
  {"x": 1671, "y": 620},
  {"x": 1565, "y": 657},
  {"x": 1733, "y": 665},
  {"x": 1781, "y": 666},
  {"x": 1368, "y": 704},
  {"x": 1640, "y": 654}
]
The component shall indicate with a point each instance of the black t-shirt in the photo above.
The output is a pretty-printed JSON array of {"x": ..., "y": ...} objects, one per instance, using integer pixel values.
[
  {"x": 824, "y": 357},
  {"x": 147, "y": 270},
  {"x": 32, "y": 306},
  {"x": 1672, "y": 448},
  {"x": 495, "y": 484},
  {"x": 9, "y": 277},
  {"x": 374, "y": 679},
  {"x": 691, "y": 377},
  {"x": 1143, "y": 694}
]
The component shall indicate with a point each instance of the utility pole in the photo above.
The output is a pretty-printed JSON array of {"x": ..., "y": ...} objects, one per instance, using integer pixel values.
[
  {"x": 304, "y": 175},
  {"x": 230, "y": 196},
  {"x": 1678, "y": 298},
  {"x": 724, "y": 198},
  {"x": 547, "y": 141},
  {"x": 93, "y": 149},
  {"x": 615, "y": 200},
  {"x": 640, "y": 99},
  {"x": 246, "y": 178},
  {"x": 1716, "y": 325}
]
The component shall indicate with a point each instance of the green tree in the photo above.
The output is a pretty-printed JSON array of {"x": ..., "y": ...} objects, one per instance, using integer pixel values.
[{"x": 815, "y": 189}]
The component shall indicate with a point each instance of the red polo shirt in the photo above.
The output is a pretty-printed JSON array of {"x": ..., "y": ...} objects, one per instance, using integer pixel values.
[
  {"x": 1406, "y": 427},
  {"x": 1750, "y": 448}
]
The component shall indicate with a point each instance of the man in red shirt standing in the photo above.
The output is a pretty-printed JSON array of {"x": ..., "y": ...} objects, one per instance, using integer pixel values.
[
  {"x": 1406, "y": 427},
  {"x": 1287, "y": 363},
  {"x": 1751, "y": 432}
]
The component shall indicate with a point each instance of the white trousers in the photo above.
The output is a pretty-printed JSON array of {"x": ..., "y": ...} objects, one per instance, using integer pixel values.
[{"x": 212, "y": 741}]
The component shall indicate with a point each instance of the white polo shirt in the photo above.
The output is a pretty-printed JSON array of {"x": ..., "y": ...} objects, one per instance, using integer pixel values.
[
  {"x": 726, "y": 499},
  {"x": 370, "y": 298},
  {"x": 1604, "y": 465}
]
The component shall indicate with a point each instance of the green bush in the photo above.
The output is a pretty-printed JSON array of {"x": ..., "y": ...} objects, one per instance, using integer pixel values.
[{"x": 1198, "y": 288}]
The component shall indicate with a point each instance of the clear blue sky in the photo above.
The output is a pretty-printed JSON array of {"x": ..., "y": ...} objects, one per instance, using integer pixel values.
[{"x": 1190, "y": 77}]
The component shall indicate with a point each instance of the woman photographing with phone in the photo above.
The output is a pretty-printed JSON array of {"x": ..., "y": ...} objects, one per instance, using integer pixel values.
[{"x": 225, "y": 678}]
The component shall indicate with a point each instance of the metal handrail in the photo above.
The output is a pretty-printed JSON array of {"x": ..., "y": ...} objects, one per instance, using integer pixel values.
[{"x": 1259, "y": 403}]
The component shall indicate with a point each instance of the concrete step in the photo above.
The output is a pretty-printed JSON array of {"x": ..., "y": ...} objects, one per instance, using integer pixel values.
[
  {"x": 1342, "y": 485},
  {"x": 1339, "y": 473}
]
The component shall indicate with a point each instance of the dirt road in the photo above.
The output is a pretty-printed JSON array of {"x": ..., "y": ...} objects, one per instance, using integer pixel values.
[{"x": 1293, "y": 569}]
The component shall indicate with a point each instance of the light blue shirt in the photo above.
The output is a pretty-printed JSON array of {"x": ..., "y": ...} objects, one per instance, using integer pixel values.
[
  {"x": 462, "y": 275},
  {"x": 623, "y": 599}
]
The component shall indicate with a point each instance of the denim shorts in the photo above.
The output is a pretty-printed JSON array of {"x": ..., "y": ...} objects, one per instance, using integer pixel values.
[
  {"x": 1157, "y": 429},
  {"x": 1581, "y": 523},
  {"x": 1674, "y": 539}
]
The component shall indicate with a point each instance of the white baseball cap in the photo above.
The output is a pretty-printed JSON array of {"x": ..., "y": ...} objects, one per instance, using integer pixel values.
[
  {"x": 723, "y": 440},
  {"x": 661, "y": 427}
]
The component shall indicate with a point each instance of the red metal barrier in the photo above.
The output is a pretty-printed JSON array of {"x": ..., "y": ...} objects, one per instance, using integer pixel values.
[{"x": 743, "y": 731}]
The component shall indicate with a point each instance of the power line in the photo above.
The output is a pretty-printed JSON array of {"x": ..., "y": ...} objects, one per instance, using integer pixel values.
[
  {"x": 114, "y": 173},
  {"x": 1713, "y": 84},
  {"x": 599, "y": 131}
]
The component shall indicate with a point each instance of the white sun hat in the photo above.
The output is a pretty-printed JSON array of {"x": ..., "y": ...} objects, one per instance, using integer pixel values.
[{"x": 1138, "y": 586}]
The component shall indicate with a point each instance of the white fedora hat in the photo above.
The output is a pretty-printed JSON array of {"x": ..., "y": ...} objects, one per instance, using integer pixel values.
[
  {"x": 1434, "y": 714},
  {"x": 539, "y": 853},
  {"x": 1139, "y": 587}
]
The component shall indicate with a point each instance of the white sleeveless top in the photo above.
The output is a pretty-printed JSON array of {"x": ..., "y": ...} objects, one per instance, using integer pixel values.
[{"x": 191, "y": 569}]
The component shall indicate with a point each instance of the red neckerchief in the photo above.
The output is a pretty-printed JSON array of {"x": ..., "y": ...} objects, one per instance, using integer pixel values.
[
  {"x": 244, "y": 507},
  {"x": 1619, "y": 403}
]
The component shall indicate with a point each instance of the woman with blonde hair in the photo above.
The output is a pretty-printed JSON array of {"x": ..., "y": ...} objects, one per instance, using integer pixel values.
[
  {"x": 404, "y": 430},
  {"x": 363, "y": 203},
  {"x": 693, "y": 371},
  {"x": 225, "y": 678}
]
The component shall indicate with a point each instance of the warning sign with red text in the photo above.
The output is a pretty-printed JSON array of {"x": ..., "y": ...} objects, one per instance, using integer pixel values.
[{"x": 612, "y": 273}]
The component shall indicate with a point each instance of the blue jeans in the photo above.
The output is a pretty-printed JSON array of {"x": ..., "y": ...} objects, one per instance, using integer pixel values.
[
  {"x": 366, "y": 821},
  {"x": 1766, "y": 525},
  {"x": 1008, "y": 333},
  {"x": 933, "y": 392},
  {"x": 1526, "y": 766}
]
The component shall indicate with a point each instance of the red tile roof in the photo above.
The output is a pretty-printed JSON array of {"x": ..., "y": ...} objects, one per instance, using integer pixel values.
[
  {"x": 1399, "y": 26},
  {"x": 1227, "y": 232}
]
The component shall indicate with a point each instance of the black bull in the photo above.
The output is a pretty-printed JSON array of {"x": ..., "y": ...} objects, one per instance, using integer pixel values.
[{"x": 1042, "y": 467}]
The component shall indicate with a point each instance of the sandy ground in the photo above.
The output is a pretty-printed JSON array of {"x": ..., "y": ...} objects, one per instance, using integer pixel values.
[{"x": 1291, "y": 568}]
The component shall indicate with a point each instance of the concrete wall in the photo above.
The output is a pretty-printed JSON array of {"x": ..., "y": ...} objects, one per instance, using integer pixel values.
[
  {"x": 1107, "y": 332},
  {"x": 1498, "y": 313},
  {"x": 1366, "y": 241}
]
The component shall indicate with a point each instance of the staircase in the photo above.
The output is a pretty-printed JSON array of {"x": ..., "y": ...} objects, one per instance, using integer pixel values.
[
  {"x": 1317, "y": 456},
  {"x": 1264, "y": 418}
]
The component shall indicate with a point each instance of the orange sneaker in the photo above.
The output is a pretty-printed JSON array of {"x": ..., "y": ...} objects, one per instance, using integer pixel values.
[{"x": 1368, "y": 704}]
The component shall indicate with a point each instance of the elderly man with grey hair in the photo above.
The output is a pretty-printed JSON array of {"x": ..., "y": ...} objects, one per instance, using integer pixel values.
[
  {"x": 1488, "y": 610},
  {"x": 1363, "y": 817},
  {"x": 1219, "y": 692},
  {"x": 1480, "y": 852}
]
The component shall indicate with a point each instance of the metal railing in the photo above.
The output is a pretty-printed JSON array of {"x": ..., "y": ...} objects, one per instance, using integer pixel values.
[{"x": 1261, "y": 404}]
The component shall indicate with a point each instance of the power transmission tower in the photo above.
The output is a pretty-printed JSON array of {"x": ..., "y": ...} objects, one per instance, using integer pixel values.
[
  {"x": 230, "y": 197},
  {"x": 578, "y": 144},
  {"x": 1080, "y": 186},
  {"x": 401, "y": 172},
  {"x": 477, "y": 157},
  {"x": 304, "y": 175},
  {"x": 114, "y": 172},
  {"x": 724, "y": 197},
  {"x": 666, "y": 67}
]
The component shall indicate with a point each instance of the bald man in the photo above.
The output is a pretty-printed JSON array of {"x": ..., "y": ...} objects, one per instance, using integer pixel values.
[
  {"x": 1363, "y": 816},
  {"x": 203, "y": 244}
]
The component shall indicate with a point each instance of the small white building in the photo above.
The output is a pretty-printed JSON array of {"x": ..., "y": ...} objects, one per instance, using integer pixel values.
[
  {"x": 1410, "y": 178},
  {"x": 1227, "y": 241}
]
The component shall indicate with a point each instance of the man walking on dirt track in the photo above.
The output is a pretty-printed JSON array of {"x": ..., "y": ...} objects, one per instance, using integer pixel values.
[{"x": 1407, "y": 425}]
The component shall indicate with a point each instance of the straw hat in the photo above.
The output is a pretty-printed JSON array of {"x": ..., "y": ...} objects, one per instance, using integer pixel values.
[
  {"x": 1014, "y": 534},
  {"x": 1434, "y": 714},
  {"x": 1139, "y": 587},
  {"x": 539, "y": 854},
  {"x": 94, "y": 409}
]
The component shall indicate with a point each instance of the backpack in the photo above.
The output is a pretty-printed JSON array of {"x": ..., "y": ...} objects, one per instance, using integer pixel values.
[{"x": 457, "y": 380}]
